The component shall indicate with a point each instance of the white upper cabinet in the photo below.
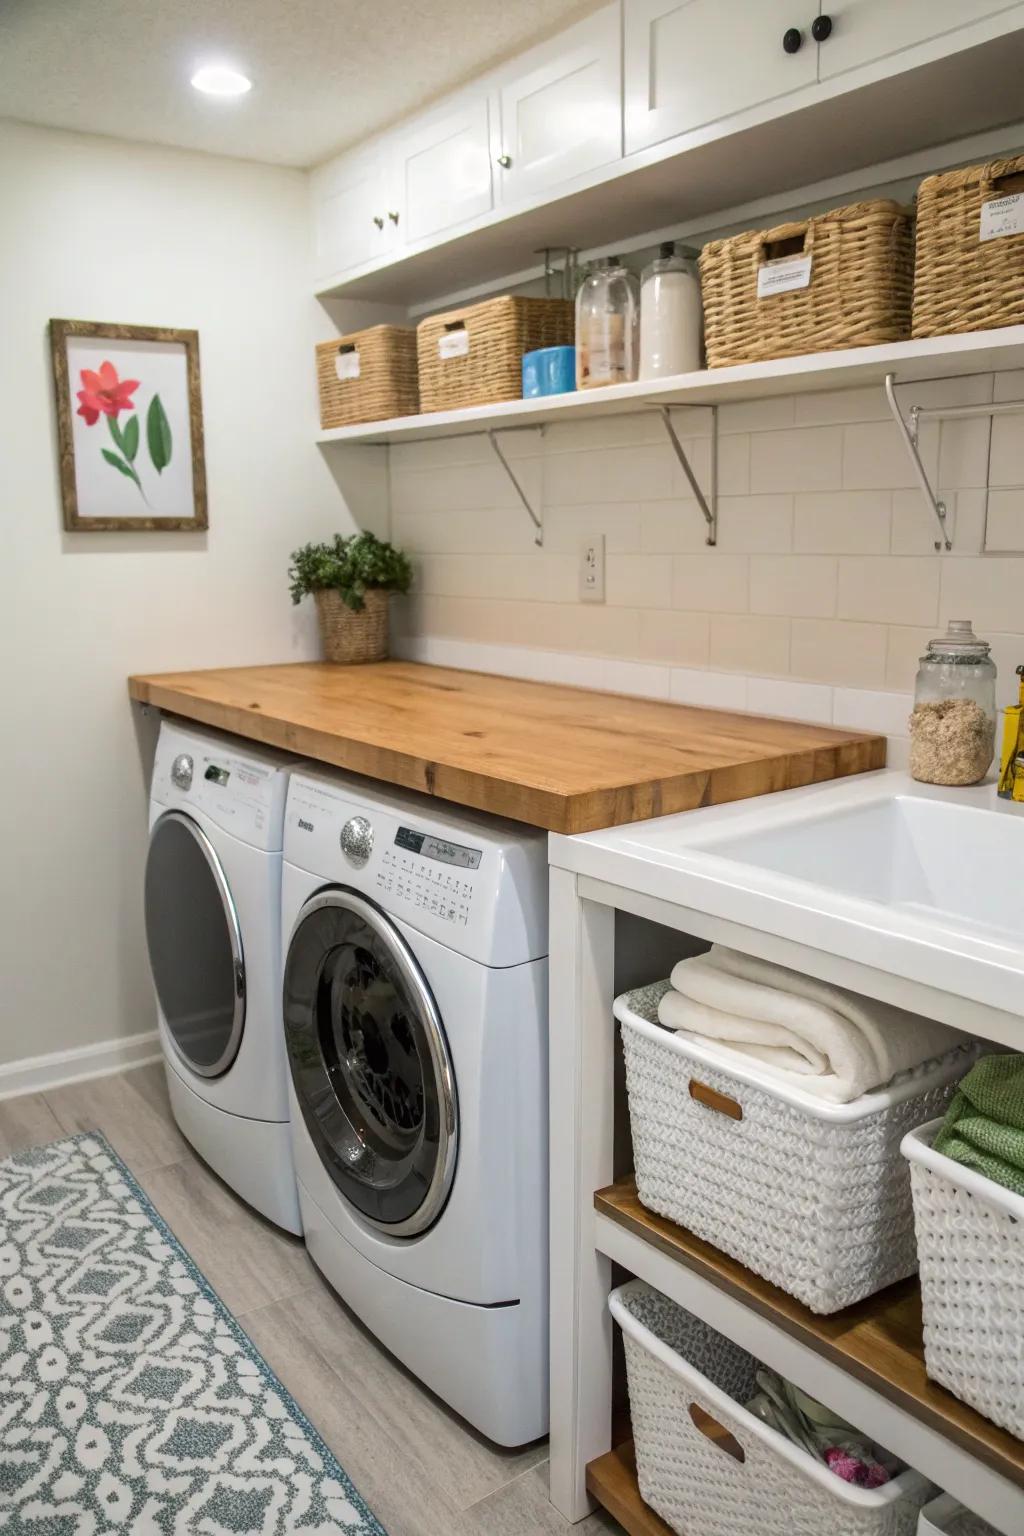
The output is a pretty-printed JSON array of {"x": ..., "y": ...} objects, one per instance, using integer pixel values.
[
  {"x": 444, "y": 167},
  {"x": 690, "y": 62},
  {"x": 355, "y": 217},
  {"x": 866, "y": 30},
  {"x": 561, "y": 109}
]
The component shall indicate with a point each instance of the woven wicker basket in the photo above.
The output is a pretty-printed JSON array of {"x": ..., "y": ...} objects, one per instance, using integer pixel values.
[
  {"x": 350, "y": 636},
  {"x": 367, "y": 376},
  {"x": 961, "y": 282},
  {"x": 859, "y": 292},
  {"x": 473, "y": 356}
]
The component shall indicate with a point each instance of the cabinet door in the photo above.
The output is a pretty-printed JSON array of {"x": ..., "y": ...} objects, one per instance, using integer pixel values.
[
  {"x": 444, "y": 163},
  {"x": 561, "y": 108},
  {"x": 353, "y": 197},
  {"x": 691, "y": 62},
  {"x": 865, "y": 30}
]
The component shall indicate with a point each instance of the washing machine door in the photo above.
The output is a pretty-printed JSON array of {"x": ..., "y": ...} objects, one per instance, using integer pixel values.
[
  {"x": 370, "y": 1062},
  {"x": 195, "y": 946}
]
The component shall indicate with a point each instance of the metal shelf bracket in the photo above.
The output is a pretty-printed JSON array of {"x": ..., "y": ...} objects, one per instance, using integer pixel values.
[
  {"x": 909, "y": 436},
  {"x": 492, "y": 438},
  {"x": 708, "y": 504}
]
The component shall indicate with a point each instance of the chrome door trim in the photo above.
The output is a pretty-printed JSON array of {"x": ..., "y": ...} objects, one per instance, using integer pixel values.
[
  {"x": 440, "y": 1057},
  {"x": 209, "y": 852}
]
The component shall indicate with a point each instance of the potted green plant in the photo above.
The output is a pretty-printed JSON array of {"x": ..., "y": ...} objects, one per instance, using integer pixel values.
[{"x": 351, "y": 581}]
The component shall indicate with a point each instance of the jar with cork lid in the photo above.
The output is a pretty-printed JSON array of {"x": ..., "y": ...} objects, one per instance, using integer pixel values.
[{"x": 953, "y": 725}]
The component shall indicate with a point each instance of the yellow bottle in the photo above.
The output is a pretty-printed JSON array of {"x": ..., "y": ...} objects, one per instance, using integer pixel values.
[{"x": 1011, "y": 762}]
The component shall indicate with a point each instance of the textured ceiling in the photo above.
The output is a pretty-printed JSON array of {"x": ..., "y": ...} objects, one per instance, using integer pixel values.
[{"x": 325, "y": 73}]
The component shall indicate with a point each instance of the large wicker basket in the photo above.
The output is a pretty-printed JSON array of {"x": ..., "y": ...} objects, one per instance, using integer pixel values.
[
  {"x": 473, "y": 356},
  {"x": 962, "y": 282},
  {"x": 367, "y": 376},
  {"x": 858, "y": 293},
  {"x": 349, "y": 635}
]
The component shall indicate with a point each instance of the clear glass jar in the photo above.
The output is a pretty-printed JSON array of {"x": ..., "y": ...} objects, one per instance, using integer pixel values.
[
  {"x": 671, "y": 317},
  {"x": 953, "y": 726},
  {"x": 607, "y": 325}
]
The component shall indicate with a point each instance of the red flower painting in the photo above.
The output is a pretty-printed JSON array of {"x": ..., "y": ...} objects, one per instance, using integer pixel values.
[{"x": 104, "y": 394}]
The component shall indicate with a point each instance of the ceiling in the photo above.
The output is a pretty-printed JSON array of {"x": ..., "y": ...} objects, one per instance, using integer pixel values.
[{"x": 325, "y": 73}]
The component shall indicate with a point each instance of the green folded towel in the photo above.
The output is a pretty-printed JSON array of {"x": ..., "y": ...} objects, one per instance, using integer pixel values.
[{"x": 984, "y": 1125}]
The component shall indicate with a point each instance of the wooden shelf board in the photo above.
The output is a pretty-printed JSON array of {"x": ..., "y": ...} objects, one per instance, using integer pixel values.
[
  {"x": 932, "y": 358},
  {"x": 879, "y": 1340},
  {"x": 611, "y": 1479}
]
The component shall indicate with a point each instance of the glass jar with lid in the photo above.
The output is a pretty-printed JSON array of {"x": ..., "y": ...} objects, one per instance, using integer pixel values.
[
  {"x": 607, "y": 325},
  {"x": 953, "y": 726}
]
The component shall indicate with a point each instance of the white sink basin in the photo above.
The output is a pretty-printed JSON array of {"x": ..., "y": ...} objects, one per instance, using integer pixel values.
[
  {"x": 954, "y": 864},
  {"x": 898, "y": 882}
]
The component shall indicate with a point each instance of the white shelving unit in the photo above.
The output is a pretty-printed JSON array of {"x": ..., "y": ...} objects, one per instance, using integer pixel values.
[{"x": 937, "y": 357}]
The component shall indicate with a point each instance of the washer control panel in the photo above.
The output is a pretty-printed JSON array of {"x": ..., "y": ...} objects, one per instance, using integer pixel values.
[{"x": 430, "y": 873}]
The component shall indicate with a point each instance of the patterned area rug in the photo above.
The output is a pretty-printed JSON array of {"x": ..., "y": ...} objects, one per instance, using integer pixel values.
[{"x": 130, "y": 1399}]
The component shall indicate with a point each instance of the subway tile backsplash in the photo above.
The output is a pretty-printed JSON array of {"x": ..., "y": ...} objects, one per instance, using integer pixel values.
[{"x": 817, "y": 601}]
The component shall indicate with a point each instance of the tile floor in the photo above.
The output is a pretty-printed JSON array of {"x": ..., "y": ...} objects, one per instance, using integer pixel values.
[{"x": 421, "y": 1469}]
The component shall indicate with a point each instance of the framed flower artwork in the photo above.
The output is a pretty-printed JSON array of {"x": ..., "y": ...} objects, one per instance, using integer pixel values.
[{"x": 130, "y": 427}]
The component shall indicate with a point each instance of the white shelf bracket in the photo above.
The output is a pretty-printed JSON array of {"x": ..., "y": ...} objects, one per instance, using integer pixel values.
[
  {"x": 492, "y": 438},
  {"x": 908, "y": 435},
  {"x": 708, "y": 504}
]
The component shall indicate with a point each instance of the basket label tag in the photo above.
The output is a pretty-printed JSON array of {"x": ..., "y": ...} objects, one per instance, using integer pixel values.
[
  {"x": 346, "y": 364},
  {"x": 1002, "y": 216},
  {"x": 453, "y": 344},
  {"x": 782, "y": 276}
]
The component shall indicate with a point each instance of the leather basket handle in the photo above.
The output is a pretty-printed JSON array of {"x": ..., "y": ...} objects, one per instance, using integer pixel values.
[
  {"x": 712, "y": 1099},
  {"x": 716, "y": 1433}
]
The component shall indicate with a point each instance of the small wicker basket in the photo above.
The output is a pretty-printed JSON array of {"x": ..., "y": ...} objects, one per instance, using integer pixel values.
[
  {"x": 367, "y": 376},
  {"x": 473, "y": 356},
  {"x": 351, "y": 636},
  {"x": 961, "y": 281},
  {"x": 857, "y": 294}
]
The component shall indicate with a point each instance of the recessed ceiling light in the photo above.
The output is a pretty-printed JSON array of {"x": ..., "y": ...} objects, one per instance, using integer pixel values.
[{"x": 221, "y": 80}]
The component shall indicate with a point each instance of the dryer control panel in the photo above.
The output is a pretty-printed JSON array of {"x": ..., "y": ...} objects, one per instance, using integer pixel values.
[{"x": 476, "y": 884}]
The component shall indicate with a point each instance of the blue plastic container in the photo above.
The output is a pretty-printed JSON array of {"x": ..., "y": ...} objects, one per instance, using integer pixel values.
[{"x": 549, "y": 371}]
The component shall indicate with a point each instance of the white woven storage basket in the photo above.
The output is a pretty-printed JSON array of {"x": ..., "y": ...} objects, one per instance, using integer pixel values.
[
  {"x": 814, "y": 1196},
  {"x": 697, "y": 1484},
  {"x": 946, "y": 1516},
  {"x": 970, "y": 1236}
]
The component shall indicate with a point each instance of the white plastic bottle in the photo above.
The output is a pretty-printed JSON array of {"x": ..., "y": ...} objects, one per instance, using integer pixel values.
[
  {"x": 607, "y": 325},
  {"x": 671, "y": 318}
]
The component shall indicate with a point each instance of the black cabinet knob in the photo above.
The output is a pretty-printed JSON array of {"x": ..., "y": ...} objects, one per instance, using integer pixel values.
[
  {"x": 791, "y": 39},
  {"x": 821, "y": 28}
]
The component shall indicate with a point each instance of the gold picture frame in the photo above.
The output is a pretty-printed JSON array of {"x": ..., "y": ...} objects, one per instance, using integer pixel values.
[{"x": 129, "y": 464}]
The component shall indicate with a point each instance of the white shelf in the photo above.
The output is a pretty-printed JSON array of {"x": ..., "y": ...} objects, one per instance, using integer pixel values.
[{"x": 934, "y": 358}]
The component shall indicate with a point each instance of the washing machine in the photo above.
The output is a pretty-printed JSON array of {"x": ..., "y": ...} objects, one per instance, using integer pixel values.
[
  {"x": 415, "y": 1020},
  {"x": 213, "y": 927}
]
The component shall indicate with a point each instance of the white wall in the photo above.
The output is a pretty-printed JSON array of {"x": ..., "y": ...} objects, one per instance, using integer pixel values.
[
  {"x": 96, "y": 229},
  {"x": 818, "y": 600}
]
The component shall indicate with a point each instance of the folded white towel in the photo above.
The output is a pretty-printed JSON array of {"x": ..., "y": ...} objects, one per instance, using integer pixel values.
[{"x": 822, "y": 1039}]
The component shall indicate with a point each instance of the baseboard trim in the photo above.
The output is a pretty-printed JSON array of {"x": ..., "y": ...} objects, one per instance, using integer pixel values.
[{"x": 35, "y": 1074}]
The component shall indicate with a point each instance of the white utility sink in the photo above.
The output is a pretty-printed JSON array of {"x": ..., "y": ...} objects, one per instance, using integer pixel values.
[{"x": 909, "y": 880}]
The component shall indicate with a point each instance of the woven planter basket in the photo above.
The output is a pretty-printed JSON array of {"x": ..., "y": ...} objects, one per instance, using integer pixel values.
[
  {"x": 473, "y": 356},
  {"x": 961, "y": 282},
  {"x": 367, "y": 376},
  {"x": 859, "y": 294},
  {"x": 350, "y": 636}
]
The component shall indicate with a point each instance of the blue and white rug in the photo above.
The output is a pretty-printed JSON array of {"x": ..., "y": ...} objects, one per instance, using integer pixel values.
[{"x": 130, "y": 1399}]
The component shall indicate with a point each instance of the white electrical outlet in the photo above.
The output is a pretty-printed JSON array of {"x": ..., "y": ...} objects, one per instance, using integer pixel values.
[{"x": 592, "y": 570}]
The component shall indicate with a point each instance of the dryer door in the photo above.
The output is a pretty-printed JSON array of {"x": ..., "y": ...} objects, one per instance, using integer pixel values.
[
  {"x": 195, "y": 947},
  {"x": 370, "y": 1062}
]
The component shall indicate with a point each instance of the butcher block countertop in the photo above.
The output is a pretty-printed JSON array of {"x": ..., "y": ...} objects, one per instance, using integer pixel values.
[{"x": 567, "y": 759}]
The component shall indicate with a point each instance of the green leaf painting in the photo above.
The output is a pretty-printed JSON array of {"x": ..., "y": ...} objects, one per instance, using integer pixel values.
[
  {"x": 125, "y": 469},
  {"x": 158, "y": 435},
  {"x": 130, "y": 439}
]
